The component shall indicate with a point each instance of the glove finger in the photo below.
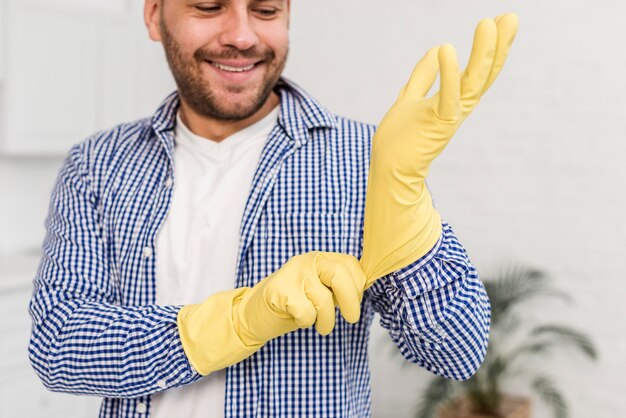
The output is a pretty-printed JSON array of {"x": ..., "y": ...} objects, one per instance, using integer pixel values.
[
  {"x": 344, "y": 288},
  {"x": 423, "y": 76},
  {"x": 449, "y": 108},
  {"x": 300, "y": 306},
  {"x": 352, "y": 264},
  {"x": 480, "y": 62},
  {"x": 317, "y": 307},
  {"x": 507, "y": 29}
]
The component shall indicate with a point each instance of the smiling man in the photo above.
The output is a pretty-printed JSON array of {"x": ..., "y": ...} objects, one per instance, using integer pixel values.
[
  {"x": 226, "y": 58},
  {"x": 226, "y": 256}
]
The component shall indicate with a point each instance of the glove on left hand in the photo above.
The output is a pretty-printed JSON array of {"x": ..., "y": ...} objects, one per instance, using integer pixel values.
[{"x": 401, "y": 224}]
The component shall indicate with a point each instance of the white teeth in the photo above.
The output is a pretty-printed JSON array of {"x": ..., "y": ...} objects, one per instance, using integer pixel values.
[{"x": 233, "y": 69}]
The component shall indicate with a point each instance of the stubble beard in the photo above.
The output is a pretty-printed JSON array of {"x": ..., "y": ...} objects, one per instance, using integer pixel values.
[{"x": 198, "y": 93}]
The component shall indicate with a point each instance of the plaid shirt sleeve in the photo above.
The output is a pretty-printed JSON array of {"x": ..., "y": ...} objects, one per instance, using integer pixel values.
[
  {"x": 82, "y": 340},
  {"x": 436, "y": 310}
]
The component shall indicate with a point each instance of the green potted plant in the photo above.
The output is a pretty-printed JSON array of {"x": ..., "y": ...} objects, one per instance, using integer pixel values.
[{"x": 514, "y": 347}]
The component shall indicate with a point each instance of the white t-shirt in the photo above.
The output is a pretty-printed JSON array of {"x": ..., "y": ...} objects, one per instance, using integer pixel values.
[{"x": 198, "y": 243}]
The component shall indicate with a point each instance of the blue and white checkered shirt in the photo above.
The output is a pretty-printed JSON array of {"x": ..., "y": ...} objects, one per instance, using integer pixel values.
[{"x": 96, "y": 327}]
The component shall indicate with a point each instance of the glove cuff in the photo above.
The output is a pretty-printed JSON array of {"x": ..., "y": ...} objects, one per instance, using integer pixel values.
[
  {"x": 412, "y": 228},
  {"x": 208, "y": 333}
]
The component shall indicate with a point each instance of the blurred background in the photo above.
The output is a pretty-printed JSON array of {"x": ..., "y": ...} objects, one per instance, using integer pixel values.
[{"x": 534, "y": 178}]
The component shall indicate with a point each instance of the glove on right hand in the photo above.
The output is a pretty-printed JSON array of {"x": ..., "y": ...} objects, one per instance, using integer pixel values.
[
  {"x": 230, "y": 326},
  {"x": 301, "y": 293}
]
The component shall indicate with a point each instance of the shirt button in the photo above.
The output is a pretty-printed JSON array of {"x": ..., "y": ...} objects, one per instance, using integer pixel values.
[
  {"x": 147, "y": 252},
  {"x": 168, "y": 182},
  {"x": 142, "y": 408},
  {"x": 162, "y": 384}
]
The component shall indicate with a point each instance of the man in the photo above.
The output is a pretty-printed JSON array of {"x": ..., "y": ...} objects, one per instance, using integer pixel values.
[{"x": 193, "y": 260}]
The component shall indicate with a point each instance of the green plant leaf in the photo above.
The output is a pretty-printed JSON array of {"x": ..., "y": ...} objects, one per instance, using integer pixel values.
[
  {"x": 565, "y": 335},
  {"x": 530, "y": 349},
  {"x": 516, "y": 284},
  {"x": 515, "y": 278},
  {"x": 549, "y": 394}
]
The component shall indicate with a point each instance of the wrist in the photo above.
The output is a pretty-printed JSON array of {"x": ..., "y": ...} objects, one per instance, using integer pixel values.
[
  {"x": 240, "y": 323},
  {"x": 208, "y": 334}
]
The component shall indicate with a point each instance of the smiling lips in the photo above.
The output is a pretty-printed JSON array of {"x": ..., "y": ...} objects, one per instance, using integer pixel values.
[{"x": 234, "y": 67}]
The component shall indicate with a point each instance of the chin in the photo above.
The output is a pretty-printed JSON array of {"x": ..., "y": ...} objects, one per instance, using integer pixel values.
[{"x": 241, "y": 104}]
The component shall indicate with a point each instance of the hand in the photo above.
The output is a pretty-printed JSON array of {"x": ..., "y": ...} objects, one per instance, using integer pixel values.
[
  {"x": 301, "y": 293},
  {"x": 231, "y": 325},
  {"x": 401, "y": 224},
  {"x": 416, "y": 129}
]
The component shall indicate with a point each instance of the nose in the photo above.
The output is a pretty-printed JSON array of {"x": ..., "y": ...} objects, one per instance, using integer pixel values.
[{"x": 237, "y": 30}]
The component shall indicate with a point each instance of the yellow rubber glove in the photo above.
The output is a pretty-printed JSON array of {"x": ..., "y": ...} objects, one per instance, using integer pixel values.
[
  {"x": 401, "y": 224},
  {"x": 231, "y": 325}
]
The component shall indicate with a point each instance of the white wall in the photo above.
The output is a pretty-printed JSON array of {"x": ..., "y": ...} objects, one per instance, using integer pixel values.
[{"x": 533, "y": 176}]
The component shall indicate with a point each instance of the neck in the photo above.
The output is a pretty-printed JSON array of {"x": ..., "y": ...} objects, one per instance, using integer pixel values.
[{"x": 217, "y": 129}]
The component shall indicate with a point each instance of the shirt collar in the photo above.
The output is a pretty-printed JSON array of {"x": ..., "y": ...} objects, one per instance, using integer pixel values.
[{"x": 299, "y": 113}]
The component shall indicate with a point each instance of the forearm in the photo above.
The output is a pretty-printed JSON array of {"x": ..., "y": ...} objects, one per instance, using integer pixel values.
[
  {"x": 83, "y": 340},
  {"x": 437, "y": 311},
  {"x": 95, "y": 348}
]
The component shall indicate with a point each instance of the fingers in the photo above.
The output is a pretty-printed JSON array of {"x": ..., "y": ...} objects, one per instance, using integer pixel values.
[
  {"x": 353, "y": 265},
  {"x": 449, "y": 107},
  {"x": 507, "y": 29},
  {"x": 423, "y": 76},
  {"x": 480, "y": 62},
  {"x": 317, "y": 306},
  {"x": 347, "y": 290},
  {"x": 492, "y": 41},
  {"x": 326, "y": 278}
]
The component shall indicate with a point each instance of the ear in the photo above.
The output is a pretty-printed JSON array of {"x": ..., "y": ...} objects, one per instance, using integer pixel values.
[{"x": 151, "y": 17}]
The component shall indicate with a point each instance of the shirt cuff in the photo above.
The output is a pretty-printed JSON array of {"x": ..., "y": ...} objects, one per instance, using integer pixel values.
[{"x": 424, "y": 274}]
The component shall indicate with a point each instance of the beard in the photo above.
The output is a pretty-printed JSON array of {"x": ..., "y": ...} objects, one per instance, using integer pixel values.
[{"x": 197, "y": 91}]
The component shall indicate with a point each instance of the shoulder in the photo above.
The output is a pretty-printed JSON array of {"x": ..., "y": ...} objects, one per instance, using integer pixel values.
[
  {"x": 304, "y": 110},
  {"x": 119, "y": 139},
  {"x": 349, "y": 135},
  {"x": 351, "y": 128},
  {"x": 110, "y": 154},
  {"x": 136, "y": 140}
]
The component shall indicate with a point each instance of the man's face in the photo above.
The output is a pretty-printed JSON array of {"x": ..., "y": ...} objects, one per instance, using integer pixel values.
[{"x": 225, "y": 55}]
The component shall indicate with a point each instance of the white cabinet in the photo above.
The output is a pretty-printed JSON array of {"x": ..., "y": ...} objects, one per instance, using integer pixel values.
[
  {"x": 50, "y": 82},
  {"x": 111, "y": 6},
  {"x": 74, "y": 67}
]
